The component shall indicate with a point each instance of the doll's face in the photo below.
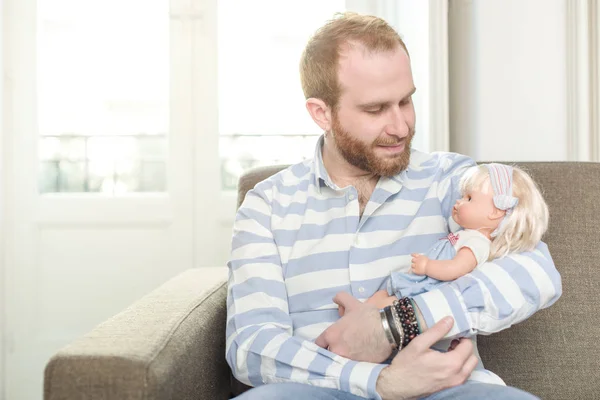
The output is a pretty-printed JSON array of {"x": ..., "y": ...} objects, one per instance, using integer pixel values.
[{"x": 476, "y": 210}]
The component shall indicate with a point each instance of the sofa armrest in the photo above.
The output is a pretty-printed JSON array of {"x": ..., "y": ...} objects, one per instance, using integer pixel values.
[{"x": 168, "y": 345}]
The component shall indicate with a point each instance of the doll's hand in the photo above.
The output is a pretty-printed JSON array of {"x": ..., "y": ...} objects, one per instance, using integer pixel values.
[{"x": 419, "y": 264}]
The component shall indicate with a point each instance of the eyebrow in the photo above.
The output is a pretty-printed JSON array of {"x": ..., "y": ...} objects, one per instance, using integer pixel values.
[{"x": 380, "y": 103}]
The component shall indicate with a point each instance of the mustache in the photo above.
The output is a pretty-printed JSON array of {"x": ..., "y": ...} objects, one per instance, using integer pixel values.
[
  {"x": 394, "y": 140},
  {"x": 387, "y": 142}
]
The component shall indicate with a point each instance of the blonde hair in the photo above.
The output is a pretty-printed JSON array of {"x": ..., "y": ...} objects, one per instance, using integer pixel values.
[
  {"x": 320, "y": 58},
  {"x": 525, "y": 226}
]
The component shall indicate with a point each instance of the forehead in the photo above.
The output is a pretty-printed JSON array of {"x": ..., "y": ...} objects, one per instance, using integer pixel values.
[
  {"x": 484, "y": 188},
  {"x": 374, "y": 76}
]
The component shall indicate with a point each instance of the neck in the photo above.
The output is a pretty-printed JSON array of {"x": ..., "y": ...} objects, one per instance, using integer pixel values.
[
  {"x": 487, "y": 232},
  {"x": 340, "y": 170}
]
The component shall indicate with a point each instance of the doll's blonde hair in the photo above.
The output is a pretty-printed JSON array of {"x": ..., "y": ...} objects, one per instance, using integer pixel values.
[{"x": 525, "y": 226}]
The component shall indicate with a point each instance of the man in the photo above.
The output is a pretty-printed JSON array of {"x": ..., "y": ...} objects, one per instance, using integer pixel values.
[{"x": 323, "y": 235}]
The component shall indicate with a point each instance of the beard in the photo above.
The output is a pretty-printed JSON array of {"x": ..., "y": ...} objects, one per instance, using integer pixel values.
[{"x": 363, "y": 155}]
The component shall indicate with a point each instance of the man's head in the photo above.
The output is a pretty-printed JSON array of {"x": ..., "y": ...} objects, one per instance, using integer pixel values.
[{"x": 357, "y": 80}]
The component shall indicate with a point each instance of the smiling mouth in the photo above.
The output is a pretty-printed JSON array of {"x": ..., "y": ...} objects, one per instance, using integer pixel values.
[
  {"x": 393, "y": 149},
  {"x": 401, "y": 142}
]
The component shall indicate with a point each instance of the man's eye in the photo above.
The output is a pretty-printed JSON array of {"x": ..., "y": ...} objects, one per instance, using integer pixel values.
[{"x": 378, "y": 111}]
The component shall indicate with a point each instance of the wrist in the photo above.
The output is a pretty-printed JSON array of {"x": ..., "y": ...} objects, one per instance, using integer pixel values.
[
  {"x": 425, "y": 266},
  {"x": 388, "y": 386},
  {"x": 383, "y": 384},
  {"x": 419, "y": 315},
  {"x": 386, "y": 328}
]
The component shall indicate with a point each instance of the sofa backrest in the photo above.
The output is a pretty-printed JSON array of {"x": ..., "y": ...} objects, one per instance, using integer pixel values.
[{"x": 554, "y": 354}]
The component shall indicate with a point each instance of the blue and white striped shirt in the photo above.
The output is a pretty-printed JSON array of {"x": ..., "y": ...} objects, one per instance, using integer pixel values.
[{"x": 299, "y": 239}]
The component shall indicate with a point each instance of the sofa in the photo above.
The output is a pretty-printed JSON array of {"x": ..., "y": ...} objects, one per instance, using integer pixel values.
[{"x": 171, "y": 343}]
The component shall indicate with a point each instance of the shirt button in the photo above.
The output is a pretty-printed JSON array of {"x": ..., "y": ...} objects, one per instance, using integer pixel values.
[
  {"x": 361, "y": 289},
  {"x": 351, "y": 197}
]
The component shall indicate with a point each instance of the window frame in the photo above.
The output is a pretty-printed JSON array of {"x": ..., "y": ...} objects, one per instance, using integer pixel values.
[
  {"x": 21, "y": 131},
  {"x": 583, "y": 80}
]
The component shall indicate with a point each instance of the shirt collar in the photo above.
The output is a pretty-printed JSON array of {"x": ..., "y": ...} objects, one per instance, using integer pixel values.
[{"x": 321, "y": 175}]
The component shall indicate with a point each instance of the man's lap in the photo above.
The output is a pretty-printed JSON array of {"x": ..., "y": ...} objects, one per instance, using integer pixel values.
[{"x": 469, "y": 391}]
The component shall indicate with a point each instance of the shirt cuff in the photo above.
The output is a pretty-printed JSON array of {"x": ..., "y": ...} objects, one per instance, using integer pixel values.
[
  {"x": 445, "y": 301},
  {"x": 360, "y": 378}
]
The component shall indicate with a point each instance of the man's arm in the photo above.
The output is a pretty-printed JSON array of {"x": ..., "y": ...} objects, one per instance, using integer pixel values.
[
  {"x": 260, "y": 346},
  {"x": 497, "y": 294}
]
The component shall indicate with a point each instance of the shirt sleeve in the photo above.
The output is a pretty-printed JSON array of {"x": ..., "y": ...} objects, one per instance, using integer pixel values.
[
  {"x": 260, "y": 345},
  {"x": 477, "y": 243},
  {"x": 499, "y": 293}
]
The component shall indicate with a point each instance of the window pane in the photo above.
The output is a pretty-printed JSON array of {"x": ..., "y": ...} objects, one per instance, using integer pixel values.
[
  {"x": 152, "y": 147},
  {"x": 259, "y": 83},
  {"x": 48, "y": 177},
  {"x": 240, "y": 153},
  {"x": 71, "y": 176},
  {"x": 103, "y": 71},
  {"x": 153, "y": 176}
]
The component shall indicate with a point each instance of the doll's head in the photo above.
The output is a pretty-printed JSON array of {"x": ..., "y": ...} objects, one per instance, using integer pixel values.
[{"x": 517, "y": 213}]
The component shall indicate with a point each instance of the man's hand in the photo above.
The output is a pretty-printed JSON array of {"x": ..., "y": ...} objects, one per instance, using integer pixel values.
[
  {"x": 419, "y": 264},
  {"x": 380, "y": 299},
  {"x": 418, "y": 371},
  {"x": 358, "y": 335}
]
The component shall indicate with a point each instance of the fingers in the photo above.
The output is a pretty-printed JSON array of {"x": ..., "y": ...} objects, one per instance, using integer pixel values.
[
  {"x": 434, "y": 334},
  {"x": 463, "y": 350},
  {"x": 321, "y": 341},
  {"x": 453, "y": 344},
  {"x": 346, "y": 300},
  {"x": 341, "y": 310},
  {"x": 469, "y": 366}
]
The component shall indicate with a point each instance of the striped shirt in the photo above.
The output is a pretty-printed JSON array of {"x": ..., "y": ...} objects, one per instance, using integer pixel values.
[{"x": 298, "y": 239}]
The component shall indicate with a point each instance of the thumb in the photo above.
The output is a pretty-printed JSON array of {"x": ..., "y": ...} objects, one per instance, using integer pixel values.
[
  {"x": 346, "y": 300},
  {"x": 434, "y": 334}
]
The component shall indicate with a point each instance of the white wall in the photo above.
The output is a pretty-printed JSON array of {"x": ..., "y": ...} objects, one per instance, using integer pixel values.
[
  {"x": 2, "y": 291},
  {"x": 508, "y": 82}
]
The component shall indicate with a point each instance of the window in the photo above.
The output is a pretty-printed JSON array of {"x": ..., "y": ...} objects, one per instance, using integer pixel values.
[
  {"x": 262, "y": 117},
  {"x": 103, "y": 95}
]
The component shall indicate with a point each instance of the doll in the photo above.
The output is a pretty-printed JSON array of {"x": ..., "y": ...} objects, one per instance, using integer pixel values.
[{"x": 502, "y": 211}]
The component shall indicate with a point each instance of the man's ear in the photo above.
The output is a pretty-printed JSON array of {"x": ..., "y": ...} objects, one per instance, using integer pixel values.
[
  {"x": 320, "y": 113},
  {"x": 497, "y": 214}
]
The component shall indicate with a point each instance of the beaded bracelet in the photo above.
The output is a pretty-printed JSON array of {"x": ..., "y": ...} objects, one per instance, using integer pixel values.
[
  {"x": 398, "y": 325},
  {"x": 408, "y": 319}
]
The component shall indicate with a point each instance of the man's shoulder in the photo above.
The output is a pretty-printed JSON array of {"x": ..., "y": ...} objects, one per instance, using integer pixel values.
[
  {"x": 437, "y": 161},
  {"x": 293, "y": 178}
]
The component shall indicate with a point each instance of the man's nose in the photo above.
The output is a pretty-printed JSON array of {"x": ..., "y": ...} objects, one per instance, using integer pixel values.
[{"x": 399, "y": 122}]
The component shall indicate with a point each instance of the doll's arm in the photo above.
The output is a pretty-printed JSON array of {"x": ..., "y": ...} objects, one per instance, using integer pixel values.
[{"x": 445, "y": 270}]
